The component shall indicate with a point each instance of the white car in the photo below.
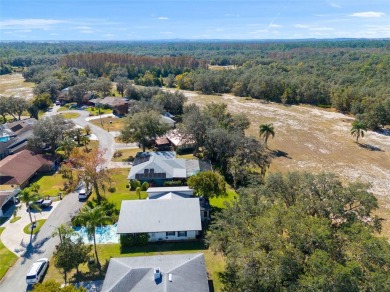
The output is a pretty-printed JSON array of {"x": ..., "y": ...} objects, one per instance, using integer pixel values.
[
  {"x": 84, "y": 194},
  {"x": 37, "y": 271}
]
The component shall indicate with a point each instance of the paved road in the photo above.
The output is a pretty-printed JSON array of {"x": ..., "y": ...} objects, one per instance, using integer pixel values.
[{"x": 41, "y": 245}]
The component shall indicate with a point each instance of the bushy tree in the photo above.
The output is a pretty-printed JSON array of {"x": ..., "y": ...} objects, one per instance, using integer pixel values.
[
  {"x": 208, "y": 184},
  {"x": 53, "y": 286},
  {"x": 302, "y": 232}
]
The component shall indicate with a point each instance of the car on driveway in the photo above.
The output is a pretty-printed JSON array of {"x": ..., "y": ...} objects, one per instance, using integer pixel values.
[
  {"x": 37, "y": 271},
  {"x": 42, "y": 203}
]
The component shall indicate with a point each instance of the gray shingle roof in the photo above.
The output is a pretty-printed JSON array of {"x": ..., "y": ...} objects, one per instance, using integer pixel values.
[
  {"x": 137, "y": 274},
  {"x": 140, "y": 216}
]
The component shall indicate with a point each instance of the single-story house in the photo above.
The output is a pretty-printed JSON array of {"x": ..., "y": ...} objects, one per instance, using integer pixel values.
[
  {"x": 119, "y": 106},
  {"x": 19, "y": 168},
  {"x": 158, "y": 167},
  {"x": 7, "y": 199},
  {"x": 160, "y": 273},
  {"x": 163, "y": 220},
  {"x": 182, "y": 192},
  {"x": 14, "y": 136},
  {"x": 179, "y": 140}
]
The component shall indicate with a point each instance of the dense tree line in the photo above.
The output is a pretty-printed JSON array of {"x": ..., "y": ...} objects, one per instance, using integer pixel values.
[{"x": 302, "y": 232}]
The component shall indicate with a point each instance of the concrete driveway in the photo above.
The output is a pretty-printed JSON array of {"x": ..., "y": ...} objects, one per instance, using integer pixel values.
[{"x": 13, "y": 236}]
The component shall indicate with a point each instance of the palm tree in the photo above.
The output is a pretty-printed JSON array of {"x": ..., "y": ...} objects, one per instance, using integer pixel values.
[
  {"x": 266, "y": 130},
  {"x": 28, "y": 197},
  {"x": 67, "y": 145},
  {"x": 358, "y": 128},
  {"x": 91, "y": 218}
]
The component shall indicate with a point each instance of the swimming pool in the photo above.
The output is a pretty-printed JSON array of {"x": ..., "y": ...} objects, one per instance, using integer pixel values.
[
  {"x": 4, "y": 139},
  {"x": 104, "y": 234}
]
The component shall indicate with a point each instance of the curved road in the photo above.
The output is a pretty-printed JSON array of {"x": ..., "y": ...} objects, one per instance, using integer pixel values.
[{"x": 42, "y": 244}]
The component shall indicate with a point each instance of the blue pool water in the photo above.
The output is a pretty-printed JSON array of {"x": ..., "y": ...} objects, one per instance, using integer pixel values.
[
  {"x": 4, "y": 139},
  {"x": 104, "y": 234}
]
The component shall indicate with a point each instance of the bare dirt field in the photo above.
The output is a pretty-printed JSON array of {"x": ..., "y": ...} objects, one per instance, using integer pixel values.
[
  {"x": 14, "y": 84},
  {"x": 315, "y": 140}
]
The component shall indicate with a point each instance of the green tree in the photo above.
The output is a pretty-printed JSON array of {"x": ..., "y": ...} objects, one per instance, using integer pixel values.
[
  {"x": 50, "y": 131},
  {"x": 143, "y": 127},
  {"x": 64, "y": 232},
  {"x": 358, "y": 129},
  {"x": 266, "y": 131},
  {"x": 302, "y": 232},
  {"x": 66, "y": 145},
  {"x": 91, "y": 218},
  {"x": 29, "y": 196},
  {"x": 208, "y": 184}
]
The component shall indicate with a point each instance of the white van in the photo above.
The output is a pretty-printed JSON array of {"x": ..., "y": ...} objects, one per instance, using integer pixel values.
[
  {"x": 84, "y": 194},
  {"x": 37, "y": 270}
]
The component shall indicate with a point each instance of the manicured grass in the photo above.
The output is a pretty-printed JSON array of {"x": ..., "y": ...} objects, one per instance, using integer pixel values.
[
  {"x": 126, "y": 153},
  {"x": 220, "y": 201},
  {"x": 110, "y": 124},
  {"x": 15, "y": 219},
  {"x": 50, "y": 184},
  {"x": 215, "y": 263},
  {"x": 39, "y": 224},
  {"x": 70, "y": 115},
  {"x": 7, "y": 258},
  {"x": 121, "y": 193},
  {"x": 95, "y": 112}
]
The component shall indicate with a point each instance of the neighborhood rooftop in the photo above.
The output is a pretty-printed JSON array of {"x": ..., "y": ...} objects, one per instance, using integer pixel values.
[
  {"x": 175, "y": 273},
  {"x": 141, "y": 216}
]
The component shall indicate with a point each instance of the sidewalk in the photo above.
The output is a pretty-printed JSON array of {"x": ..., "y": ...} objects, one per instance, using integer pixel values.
[{"x": 14, "y": 238}]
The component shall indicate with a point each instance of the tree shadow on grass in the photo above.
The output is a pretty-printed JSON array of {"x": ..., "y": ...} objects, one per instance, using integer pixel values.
[
  {"x": 370, "y": 147},
  {"x": 280, "y": 153}
]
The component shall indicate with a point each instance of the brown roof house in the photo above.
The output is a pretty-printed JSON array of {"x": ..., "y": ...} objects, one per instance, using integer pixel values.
[
  {"x": 119, "y": 106},
  {"x": 19, "y": 168}
]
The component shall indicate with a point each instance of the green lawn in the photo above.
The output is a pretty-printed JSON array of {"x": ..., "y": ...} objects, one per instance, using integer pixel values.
[
  {"x": 36, "y": 229},
  {"x": 121, "y": 193},
  {"x": 50, "y": 184},
  {"x": 215, "y": 263},
  {"x": 69, "y": 116},
  {"x": 15, "y": 219},
  {"x": 110, "y": 124},
  {"x": 126, "y": 153},
  {"x": 95, "y": 112},
  {"x": 220, "y": 201},
  {"x": 7, "y": 258}
]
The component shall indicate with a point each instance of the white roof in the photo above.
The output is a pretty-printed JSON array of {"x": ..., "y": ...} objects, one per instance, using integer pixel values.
[
  {"x": 168, "y": 189},
  {"x": 143, "y": 216}
]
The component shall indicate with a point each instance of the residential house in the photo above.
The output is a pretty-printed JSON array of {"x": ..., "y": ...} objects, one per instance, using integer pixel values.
[
  {"x": 19, "y": 168},
  {"x": 162, "y": 144},
  {"x": 160, "y": 273},
  {"x": 158, "y": 167},
  {"x": 14, "y": 136},
  {"x": 119, "y": 106},
  {"x": 178, "y": 140},
  {"x": 167, "y": 121},
  {"x": 182, "y": 192},
  {"x": 7, "y": 198},
  {"x": 163, "y": 220}
]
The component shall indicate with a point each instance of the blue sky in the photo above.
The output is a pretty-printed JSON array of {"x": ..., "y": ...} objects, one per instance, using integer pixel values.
[{"x": 196, "y": 19}]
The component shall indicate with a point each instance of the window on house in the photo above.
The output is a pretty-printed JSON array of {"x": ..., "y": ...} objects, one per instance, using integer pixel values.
[
  {"x": 182, "y": 233},
  {"x": 171, "y": 233}
]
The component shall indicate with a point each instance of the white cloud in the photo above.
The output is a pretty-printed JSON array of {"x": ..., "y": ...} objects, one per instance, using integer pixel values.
[
  {"x": 83, "y": 27},
  {"x": 321, "y": 28},
  {"x": 166, "y": 32},
  {"x": 272, "y": 25},
  {"x": 301, "y": 26},
  {"x": 87, "y": 31},
  {"x": 368, "y": 14},
  {"x": 23, "y": 30},
  {"x": 29, "y": 23},
  {"x": 335, "y": 5},
  {"x": 163, "y": 18}
]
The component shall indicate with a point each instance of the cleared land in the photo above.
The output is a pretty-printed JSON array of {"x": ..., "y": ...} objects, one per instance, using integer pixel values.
[
  {"x": 14, "y": 84},
  {"x": 316, "y": 140}
]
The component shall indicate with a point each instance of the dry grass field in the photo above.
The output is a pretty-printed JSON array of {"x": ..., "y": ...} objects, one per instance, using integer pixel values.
[
  {"x": 316, "y": 140},
  {"x": 14, "y": 84}
]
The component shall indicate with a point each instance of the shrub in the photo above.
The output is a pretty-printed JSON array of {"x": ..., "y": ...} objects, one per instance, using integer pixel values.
[
  {"x": 173, "y": 183},
  {"x": 134, "y": 184},
  {"x": 182, "y": 150},
  {"x": 144, "y": 186},
  {"x": 112, "y": 189},
  {"x": 129, "y": 240},
  {"x": 117, "y": 154}
]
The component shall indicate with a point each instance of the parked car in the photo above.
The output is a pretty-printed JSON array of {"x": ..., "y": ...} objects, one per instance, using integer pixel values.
[
  {"x": 42, "y": 203},
  {"x": 84, "y": 194},
  {"x": 58, "y": 102},
  {"x": 37, "y": 271}
]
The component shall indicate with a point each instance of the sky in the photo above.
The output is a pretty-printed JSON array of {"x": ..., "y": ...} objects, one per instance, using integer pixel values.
[{"x": 196, "y": 19}]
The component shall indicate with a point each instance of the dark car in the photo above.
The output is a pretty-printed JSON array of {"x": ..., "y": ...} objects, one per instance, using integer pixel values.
[{"x": 43, "y": 203}]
